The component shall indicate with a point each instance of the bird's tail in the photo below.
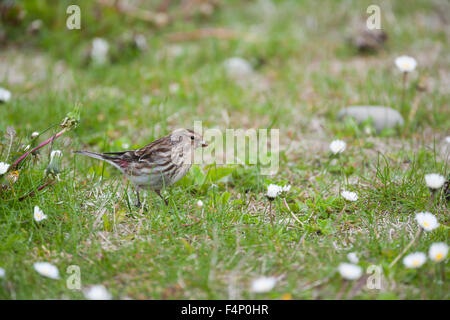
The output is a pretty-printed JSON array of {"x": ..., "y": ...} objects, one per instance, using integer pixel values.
[
  {"x": 100, "y": 156},
  {"x": 91, "y": 154}
]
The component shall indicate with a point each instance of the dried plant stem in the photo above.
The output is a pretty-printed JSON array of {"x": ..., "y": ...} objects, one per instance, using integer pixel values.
[
  {"x": 32, "y": 193},
  {"x": 415, "y": 107},
  {"x": 405, "y": 76},
  {"x": 10, "y": 145},
  {"x": 339, "y": 216},
  {"x": 357, "y": 287},
  {"x": 51, "y": 139},
  {"x": 343, "y": 290},
  {"x": 289, "y": 209},
  {"x": 418, "y": 234},
  {"x": 218, "y": 33},
  {"x": 159, "y": 19},
  {"x": 270, "y": 212}
]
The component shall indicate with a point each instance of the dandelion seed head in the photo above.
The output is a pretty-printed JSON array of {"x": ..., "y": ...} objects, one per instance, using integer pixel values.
[
  {"x": 97, "y": 292},
  {"x": 350, "y": 271},
  {"x": 263, "y": 284},
  {"x": 338, "y": 146},
  {"x": 434, "y": 180},
  {"x": 349, "y": 195},
  {"x": 273, "y": 191},
  {"x": 5, "y": 95},
  {"x": 46, "y": 269},
  {"x": 353, "y": 257}
]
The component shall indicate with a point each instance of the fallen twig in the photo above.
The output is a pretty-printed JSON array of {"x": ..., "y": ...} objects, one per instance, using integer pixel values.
[
  {"x": 219, "y": 33},
  {"x": 159, "y": 19},
  {"x": 357, "y": 286},
  {"x": 293, "y": 215},
  {"x": 339, "y": 216},
  {"x": 418, "y": 234},
  {"x": 32, "y": 193},
  {"x": 191, "y": 224}
]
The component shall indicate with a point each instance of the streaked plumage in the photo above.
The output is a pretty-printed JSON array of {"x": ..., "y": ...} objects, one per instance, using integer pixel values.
[
  {"x": 446, "y": 191},
  {"x": 366, "y": 40},
  {"x": 158, "y": 164}
]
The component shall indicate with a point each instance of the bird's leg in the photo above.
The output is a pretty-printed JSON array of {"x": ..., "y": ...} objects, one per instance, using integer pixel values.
[
  {"x": 159, "y": 194},
  {"x": 138, "y": 203}
]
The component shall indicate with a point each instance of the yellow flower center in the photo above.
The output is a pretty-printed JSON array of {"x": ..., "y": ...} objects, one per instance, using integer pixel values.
[
  {"x": 439, "y": 256},
  {"x": 426, "y": 224},
  {"x": 415, "y": 263},
  {"x": 405, "y": 65}
]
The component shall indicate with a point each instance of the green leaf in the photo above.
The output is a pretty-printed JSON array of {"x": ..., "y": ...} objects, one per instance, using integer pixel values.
[
  {"x": 225, "y": 197},
  {"x": 106, "y": 223},
  {"x": 217, "y": 173}
]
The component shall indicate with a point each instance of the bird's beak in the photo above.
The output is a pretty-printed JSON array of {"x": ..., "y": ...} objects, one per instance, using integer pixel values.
[{"x": 204, "y": 144}]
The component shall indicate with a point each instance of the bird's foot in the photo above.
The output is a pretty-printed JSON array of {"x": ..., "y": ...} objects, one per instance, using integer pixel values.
[{"x": 141, "y": 207}]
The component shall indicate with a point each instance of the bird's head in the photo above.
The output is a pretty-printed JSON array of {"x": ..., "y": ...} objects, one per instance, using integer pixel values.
[{"x": 188, "y": 137}]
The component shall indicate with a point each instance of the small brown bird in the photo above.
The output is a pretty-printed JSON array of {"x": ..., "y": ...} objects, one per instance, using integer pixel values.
[
  {"x": 157, "y": 165},
  {"x": 366, "y": 40},
  {"x": 446, "y": 191}
]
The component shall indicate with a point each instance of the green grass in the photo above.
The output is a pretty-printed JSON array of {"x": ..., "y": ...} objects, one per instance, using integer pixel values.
[{"x": 180, "y": 250}]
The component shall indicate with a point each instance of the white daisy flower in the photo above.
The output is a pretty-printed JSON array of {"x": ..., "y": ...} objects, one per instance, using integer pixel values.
[
  {"x": 174, "y": 87},
  {"x": 350, "y": 271},
  {"x": 349, "y": 195},
  {"x": 2, "y": 272},
  {"x": 427, "y": 221},
  {"x": 3, "y": 167},
  {"x": 263, "y": 284},
  {"x": 338, "y": 146},
  {"x": 352, "y": 257},
  {"x": 39, "y": 215},
  {"x": 97, "y": 292},
  {"x": 99, "y": 52},
  {"x": 405, "y": 63},
  {"x": 237, "y": 67},
  {"x": 273, "y": 191},
  {"x": 5, "y": 95},
  {"x": 175, "y": 51},
  {"x": 47, "y": 269},
  {"x": 34, "y": 134},
  {"x": 200, "y": 203},
  {"x": 438, "y": 251},
  {"x": 434, "y": 180},
  {"x": 414, "y": 260},
  {"x": 286, "y": 188},
  {"x": 141, "y": 42},
  {"x": 447, "y": 139}
]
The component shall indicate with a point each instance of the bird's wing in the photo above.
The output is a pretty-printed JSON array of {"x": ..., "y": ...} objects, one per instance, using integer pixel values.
[{"x": 153, "y": 155}]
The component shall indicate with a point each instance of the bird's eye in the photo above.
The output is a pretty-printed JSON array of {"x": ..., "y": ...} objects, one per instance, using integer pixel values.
[{"x": 192, "y": 138}]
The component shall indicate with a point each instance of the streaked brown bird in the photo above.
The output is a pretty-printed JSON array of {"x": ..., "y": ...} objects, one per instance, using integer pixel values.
[
  {"x": 157, "y": 165},
  {"x": 366, "y": 40},
  {"x": 446, "y": 191}
]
